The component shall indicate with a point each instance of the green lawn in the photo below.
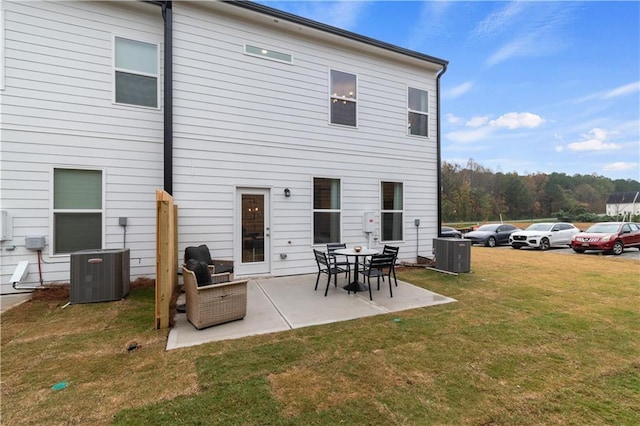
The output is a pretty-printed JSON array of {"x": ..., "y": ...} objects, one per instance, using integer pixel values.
[{"x": 535, "y": 338}]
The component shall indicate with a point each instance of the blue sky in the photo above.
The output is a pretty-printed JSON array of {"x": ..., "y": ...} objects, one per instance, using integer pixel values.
[{"x": 532, "y": 86}]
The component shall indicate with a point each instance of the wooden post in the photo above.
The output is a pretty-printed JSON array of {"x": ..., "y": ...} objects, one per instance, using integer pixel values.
[{"x": 166, "y": 260}]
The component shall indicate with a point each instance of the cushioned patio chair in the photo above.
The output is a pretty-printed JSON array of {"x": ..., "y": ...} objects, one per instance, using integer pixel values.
[
  {"x": 212, "y": 299},
  {"x": 201, "y": 253}
]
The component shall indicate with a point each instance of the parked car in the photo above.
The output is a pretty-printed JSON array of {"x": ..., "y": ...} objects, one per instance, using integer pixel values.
[
  {"x": 544, "y": 235},
  {"x": 611, "y": 237},
  {"x": 491, "y": 235},
  {"x": 448, "y": 232}
]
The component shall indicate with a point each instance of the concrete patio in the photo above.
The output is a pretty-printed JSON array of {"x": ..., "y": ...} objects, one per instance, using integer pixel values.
[{"x": 285, "y": 303}]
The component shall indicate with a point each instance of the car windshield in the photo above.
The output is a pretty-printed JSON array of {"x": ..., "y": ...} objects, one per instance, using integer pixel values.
[
  {"x": 485, "y": 228},
  {"x": 540, "y": 227},
  {"x": 607, "y": 228}
]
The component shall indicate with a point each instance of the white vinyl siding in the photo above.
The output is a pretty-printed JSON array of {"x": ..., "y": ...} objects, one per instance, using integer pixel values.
[
  {"x": 58, "y": 111},
  {"x": 1, "y": 47}
]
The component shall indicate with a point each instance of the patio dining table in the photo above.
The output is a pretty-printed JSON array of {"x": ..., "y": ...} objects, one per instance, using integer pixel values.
[{"x": 356, "y": 285}]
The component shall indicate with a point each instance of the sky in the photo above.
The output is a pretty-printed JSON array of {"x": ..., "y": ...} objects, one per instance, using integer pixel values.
[{"x": 532, "y": 86}]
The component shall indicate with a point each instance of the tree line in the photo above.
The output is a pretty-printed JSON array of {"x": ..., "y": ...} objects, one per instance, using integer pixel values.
[{"x": 475, "y": 193}]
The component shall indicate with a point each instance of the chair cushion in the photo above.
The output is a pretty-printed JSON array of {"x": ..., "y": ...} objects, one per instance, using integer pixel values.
[
  {"x": 221, "y": 268},
  {"x": 200, "y": 253},
  {"x": 201, "y": 270}
]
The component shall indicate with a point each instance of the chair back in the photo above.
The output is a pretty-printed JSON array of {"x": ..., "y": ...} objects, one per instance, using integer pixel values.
[
  {"x": 200, "y": 253},
  {"x": 392, "y": 251},
  {"x": 321, "y": 259},
  {"x": 332, "y": 247},
  {"x": 381, "y": 261}
]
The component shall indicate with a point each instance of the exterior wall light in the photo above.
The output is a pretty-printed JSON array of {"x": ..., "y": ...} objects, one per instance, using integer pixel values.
[{"x": 287, "y": 193}]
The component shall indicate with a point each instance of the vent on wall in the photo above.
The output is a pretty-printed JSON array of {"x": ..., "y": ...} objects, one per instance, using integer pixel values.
[{"x": 99, "y": 275}]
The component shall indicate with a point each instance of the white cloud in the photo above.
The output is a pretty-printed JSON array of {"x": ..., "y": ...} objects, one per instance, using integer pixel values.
[
  {"x": 467, "y": 136},
  {"x": 452, "y": 119},
  {"x": 516, "y": 120},
  {"x": 459, "y": 90},
  {"x": 558, "y": 148},
  {"x": 595, "y": 140},
  {"x": 619, "y": 166},
  {"x": 627, "y": 89},
  {"x": 478, "y": 121},
  {"x": 498, "y": 20}
]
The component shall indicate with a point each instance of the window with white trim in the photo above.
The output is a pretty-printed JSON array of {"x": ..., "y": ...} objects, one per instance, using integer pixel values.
[
  {"x": 326, "y": 210},
  {"x": 77, "y": 210},
  {"x": 392, "y": 210},
  {"x": 418, "y": 112},
  {"x": 136, "y": 72},
  {"x": 262, "y": 52},
  {"x": 343, "y": 98}
]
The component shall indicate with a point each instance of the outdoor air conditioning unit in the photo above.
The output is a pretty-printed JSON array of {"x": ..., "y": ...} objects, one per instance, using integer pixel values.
[
  {"x": 452, "y": 254},
  {"x": 99, "y": 275}
]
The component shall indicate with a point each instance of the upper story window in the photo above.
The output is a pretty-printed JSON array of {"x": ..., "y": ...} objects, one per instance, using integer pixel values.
[
  {"x": 265, "y": 53},
  {"x": 326, "y": 210},
  {"x": 418, "y": 112},
  {"x": 392, "y": 210},
  {"x": 77, "y": 210},
  {"x": 136, "y": 72},
  {"x": 343, "y": 98}
]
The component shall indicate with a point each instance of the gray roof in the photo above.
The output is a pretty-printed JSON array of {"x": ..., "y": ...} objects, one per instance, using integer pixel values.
[
  {"x": 624, "y": 197},
  {"x": 256, "y": 7}
]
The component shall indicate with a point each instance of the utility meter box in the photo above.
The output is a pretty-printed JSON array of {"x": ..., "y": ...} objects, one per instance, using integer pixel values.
[
  {"x": 369, "y": 222},
  {"x": 35, "y": 242}
]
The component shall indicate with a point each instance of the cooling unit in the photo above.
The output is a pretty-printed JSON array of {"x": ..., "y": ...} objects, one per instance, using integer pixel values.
[
  {"x": 99, "y": 275},
  {"x": 452, "y": 254}
]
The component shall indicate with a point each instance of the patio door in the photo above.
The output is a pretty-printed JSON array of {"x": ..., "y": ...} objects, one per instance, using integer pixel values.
[{"x": 252, "y": 231}]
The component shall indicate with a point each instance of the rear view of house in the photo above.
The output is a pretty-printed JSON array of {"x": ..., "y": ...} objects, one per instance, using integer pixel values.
[{"x": 273, "y": 133}]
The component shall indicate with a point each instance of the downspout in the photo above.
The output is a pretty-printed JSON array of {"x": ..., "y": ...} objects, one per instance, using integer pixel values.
[
  {"x": 167, "y": 15},
  {"x": 438, "y": 135}
]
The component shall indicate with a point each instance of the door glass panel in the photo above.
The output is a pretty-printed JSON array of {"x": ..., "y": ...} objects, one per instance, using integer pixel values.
[{"x": 252, "y": 228}]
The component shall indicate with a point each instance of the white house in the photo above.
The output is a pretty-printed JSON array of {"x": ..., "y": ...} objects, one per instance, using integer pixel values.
[
  {"x": 274, "y": 134},
  {"x": 623, "y": 204}
]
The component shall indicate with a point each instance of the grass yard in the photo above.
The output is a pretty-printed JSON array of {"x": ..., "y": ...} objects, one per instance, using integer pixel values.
[{"x": 535, "y": 338}]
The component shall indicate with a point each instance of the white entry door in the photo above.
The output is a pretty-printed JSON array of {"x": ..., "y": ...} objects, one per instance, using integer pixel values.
[{"x": 252, "y": 232}]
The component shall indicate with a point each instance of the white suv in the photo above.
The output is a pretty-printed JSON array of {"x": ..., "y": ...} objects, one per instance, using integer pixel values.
[{"x": 544, "y": 235}]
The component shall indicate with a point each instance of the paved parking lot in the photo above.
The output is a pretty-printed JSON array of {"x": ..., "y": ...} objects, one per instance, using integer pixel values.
[{"x": 629, "y": 253}]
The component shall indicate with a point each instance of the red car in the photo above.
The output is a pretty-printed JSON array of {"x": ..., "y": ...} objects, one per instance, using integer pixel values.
[{"x": 611, "y": 237}]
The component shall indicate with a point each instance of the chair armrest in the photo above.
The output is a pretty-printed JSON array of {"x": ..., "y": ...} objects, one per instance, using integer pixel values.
[{"x": 222, "y": 285}]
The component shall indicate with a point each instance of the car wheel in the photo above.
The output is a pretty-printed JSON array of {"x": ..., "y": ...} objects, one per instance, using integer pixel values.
[
  {"x": 491, "y": 242},
  {"x": 618, "y": 248},
  {"x": 544, "y": 244},
  {"x": 577, "y": 250}
]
